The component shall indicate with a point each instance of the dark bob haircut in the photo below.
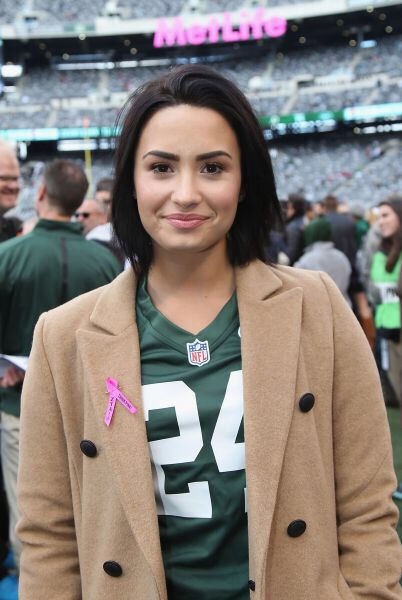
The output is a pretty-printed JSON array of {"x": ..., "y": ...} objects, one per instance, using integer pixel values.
[{"x": 202, "y": 87}]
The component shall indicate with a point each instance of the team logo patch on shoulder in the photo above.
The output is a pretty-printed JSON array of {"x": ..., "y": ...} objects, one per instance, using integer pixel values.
[{"x": 198, "y": 353}]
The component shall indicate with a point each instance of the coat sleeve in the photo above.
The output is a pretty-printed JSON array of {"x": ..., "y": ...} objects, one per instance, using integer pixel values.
[
  {"x": 369, "y": 548},
  {"x": 49, "y": 561}
]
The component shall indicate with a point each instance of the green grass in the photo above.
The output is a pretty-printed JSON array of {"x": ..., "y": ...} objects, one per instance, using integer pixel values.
[{"x": 396, "y": 434}]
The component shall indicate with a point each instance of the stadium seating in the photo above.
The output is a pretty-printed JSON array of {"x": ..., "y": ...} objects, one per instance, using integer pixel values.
[
  {"x": 85, "y": 11},
  {"x": 353, "y": 170},
  {"x": 308, "y": 79}
]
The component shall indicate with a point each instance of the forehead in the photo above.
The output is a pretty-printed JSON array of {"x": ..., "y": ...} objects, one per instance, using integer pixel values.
[
  {"x": 187, "y": 128},
  {"x": 9, "y": 164},
  {"x": 386, "y": 210},
  {"x": 102, "y": 195},
  {"x": 90, "y": 205}
]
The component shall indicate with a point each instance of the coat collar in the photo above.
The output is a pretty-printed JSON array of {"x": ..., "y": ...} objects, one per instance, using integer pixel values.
[
  {"x": 255, "y": 281},
  {"x": 58, "y": 227},
  {"x": 270, "y": 320}
]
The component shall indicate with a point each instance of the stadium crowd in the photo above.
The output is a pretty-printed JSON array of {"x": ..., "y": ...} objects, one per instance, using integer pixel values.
[{"x": 88, "y": 10}]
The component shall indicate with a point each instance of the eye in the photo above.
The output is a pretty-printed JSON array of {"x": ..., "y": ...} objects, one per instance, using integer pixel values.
[
  {"x": 161, "y": 168},
  {"x": 212, "y": 168}
]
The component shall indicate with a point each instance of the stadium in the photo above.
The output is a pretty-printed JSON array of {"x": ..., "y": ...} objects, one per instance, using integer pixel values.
[
  {"x": 324, "y": 79},
  {"x": 327, "y": 86}
]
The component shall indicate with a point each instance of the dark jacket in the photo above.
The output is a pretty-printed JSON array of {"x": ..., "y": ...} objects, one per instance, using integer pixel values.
[
  {"x": 343, "y": 234},
  {"x": 39, "y": 271},
  {"x": 294, "y": 238},
  {"x": 9, "y": 227}
]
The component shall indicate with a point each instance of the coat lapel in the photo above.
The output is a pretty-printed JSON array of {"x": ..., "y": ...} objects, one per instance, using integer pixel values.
[
  {"x": 111, "y": 349},
  {"x": 270, "y": 321}
]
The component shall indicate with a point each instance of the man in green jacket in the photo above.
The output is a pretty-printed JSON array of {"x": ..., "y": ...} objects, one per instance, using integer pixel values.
[{"x": 39, "y": 271}]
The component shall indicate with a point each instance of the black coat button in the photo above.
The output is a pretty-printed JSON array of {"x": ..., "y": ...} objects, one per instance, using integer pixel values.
[
  {"x": 296, "y": 528},
  {"x": 112, "y": 568},
  {"x": 88, "y": 448},
  {"x": 306, "y": 402},
  {"x": 251, "y": 585}
]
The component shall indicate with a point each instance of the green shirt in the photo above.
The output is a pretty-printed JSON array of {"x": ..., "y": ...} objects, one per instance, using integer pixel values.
[
  {"x": 194, "y": 418},
  {"x": 32, "y": 270},
  {"x": 387, "y": 314}
]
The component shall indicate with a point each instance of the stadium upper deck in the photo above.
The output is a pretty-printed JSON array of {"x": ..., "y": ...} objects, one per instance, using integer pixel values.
[{"x": 33, "y": 13}]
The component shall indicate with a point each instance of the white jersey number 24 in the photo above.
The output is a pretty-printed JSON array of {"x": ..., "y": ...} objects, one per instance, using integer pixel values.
[{"x": 184, "y": 448}]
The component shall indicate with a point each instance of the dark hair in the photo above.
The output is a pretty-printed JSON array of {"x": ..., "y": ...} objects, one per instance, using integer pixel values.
[
  {"x": 330, "y": 203},
  {"x": 202, "y": 87},
  {"x": 66, "y": 185},
  {"x": 392, "y": 246},
  {"x": 298, "y": 203},
  {"x": 105, "y": 185}
]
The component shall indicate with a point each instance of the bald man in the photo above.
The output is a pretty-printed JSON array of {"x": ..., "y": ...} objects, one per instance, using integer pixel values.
[
  {"x": 91, "y": 214},
  {"x": 9, "y": 190}
]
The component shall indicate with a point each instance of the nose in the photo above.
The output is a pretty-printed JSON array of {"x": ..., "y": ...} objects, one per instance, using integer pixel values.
[{"x": 186, "y": 193}]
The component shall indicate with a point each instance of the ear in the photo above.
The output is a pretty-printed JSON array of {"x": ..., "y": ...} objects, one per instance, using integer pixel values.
[
  {"x": 40, "y": 196},
  {"x": 41, "y": 193}
]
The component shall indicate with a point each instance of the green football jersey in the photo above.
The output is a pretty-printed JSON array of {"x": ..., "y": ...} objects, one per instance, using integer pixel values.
[{"x": 192, "y": 391}]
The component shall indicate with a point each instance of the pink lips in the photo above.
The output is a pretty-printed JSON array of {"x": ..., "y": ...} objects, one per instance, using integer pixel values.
[{"x": 186, "y": 221}]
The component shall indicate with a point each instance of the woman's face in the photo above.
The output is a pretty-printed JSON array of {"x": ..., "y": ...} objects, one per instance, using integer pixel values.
[
  {"x": 187, "y": 178},
  {"x": 388, "y": 221}
]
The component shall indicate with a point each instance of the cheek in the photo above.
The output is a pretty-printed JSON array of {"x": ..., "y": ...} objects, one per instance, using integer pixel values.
[
  {"x": 228, "y": 197},
  {"x": 395, "y": 225}
]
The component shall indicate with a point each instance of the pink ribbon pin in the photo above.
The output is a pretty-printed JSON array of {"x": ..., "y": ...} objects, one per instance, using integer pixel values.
[{"x": 112, "y": 388}]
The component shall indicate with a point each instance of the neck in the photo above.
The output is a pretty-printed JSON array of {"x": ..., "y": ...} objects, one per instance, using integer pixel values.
[
  {"x": 203, "y": 276},
  {"x": 51, "y": 215}
]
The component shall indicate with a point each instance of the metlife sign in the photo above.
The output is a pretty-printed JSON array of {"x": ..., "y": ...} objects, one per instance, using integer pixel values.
[{"x": 252, "y": 25}]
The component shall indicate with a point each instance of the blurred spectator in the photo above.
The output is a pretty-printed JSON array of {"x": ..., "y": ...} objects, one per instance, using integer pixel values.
[
  {"x": 295, "y": 222},
  {"x": 276, "y": 249},
  {"x": 103, "y": 233},
  {"x": 310, "y": 214},
  {"x": 38, "y": 272},
  {"x": 103, "y": 194},
  {"x": 362, "y": 226},
  {"x": 343, "y": 228},
  {"x": 345, "y": 239},
  {"x": 9, "y": 189},
  {"x": 320, "y": 254},
  {"x": 319, "y": 209},
  {"x": 90, "y": 214},
  {"x": 385, "y": 270},
  {"x": 371, "y": 244}
]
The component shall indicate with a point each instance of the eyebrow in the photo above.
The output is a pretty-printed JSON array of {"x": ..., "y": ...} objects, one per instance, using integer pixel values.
[{"x": 176, "y": 157}]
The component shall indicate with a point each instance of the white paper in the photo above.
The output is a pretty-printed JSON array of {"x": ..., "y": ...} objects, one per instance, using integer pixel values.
[{"x": 7, "y": 361}]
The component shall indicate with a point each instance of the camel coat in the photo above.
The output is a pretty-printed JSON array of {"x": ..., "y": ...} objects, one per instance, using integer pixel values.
[{"x": 325, "y": 468}]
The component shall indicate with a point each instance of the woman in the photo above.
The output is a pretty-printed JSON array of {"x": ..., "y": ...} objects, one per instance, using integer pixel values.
[
  {"x": 385, "y": 268},
  {"x": 160, "y": 488},
  {"x": 385, "y": 274}
]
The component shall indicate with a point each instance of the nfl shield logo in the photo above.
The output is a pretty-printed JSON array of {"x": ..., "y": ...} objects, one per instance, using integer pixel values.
[{"x": 198, "y": 353}]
